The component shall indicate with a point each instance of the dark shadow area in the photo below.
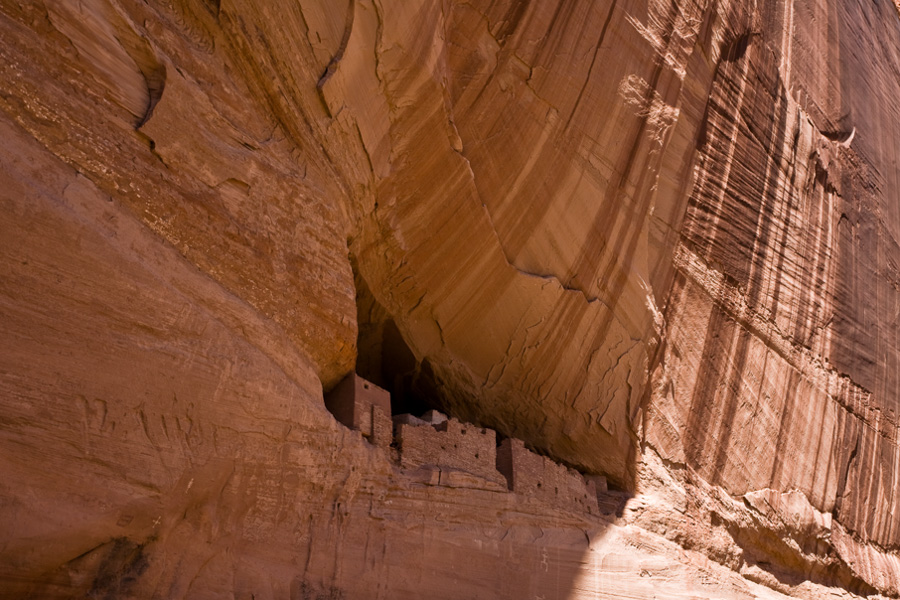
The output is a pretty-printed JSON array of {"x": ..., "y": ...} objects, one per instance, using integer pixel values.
[
  {"x": 734, "y": 49},
  {"x": 767, "y": 551},
  {"x": 395, "y": 401},
  {"x": 385, "y": 359}
]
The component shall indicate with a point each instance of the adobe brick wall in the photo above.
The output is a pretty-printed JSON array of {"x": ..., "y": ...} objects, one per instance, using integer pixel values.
[
  {"x": 540, "y": 477},
  {"x": 450, "y": 444},
  {"x": 363, "y": 406},
  {"x": 382, "y": 428}
]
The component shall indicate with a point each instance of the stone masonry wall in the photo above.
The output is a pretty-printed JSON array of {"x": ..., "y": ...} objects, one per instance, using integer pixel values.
[
  {"x": 451, "y": 444},
  {"x": 539, "y": 477}
]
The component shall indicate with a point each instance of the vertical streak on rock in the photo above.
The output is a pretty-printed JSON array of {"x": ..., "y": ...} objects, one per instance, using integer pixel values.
[
  {"x": 703, "y": 395},
  {"x": 587, "y": 79}
]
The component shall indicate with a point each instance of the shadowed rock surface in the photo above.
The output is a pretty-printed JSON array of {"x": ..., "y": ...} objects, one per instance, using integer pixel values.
[{"x": 656, "y": 242}]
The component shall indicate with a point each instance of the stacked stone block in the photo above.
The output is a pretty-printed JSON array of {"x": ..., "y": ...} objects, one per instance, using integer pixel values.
[
  {"x": 540, "y": 477},
  {"x": 362, "y": 405},
  {"x": 450, "y": 444},
  {"x": 460, "y": 454}
]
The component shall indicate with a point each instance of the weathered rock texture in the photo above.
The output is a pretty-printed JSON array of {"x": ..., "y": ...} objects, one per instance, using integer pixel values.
[{"x": 656, "y": 241}]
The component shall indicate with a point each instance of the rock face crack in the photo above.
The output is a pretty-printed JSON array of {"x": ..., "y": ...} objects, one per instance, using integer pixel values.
[
  {"x": 578, "y": 98},
  {"x": 339, "y": 55}
]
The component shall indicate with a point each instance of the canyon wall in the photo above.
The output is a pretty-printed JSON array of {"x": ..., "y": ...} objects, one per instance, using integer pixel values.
[{"x": 655, "y": 241}]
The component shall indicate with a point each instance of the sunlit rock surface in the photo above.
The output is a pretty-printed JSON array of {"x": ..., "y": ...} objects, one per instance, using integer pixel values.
[{"x": 655, "y": 241}]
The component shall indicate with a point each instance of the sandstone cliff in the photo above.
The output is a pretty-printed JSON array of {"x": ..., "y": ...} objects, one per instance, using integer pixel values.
[{"x": 655, "y": 241}]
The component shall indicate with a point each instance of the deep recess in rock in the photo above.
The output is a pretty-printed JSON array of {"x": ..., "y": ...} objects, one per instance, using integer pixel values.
[
  {"x": 385, "y": 359},
  {"x": 652, "y": 239}
]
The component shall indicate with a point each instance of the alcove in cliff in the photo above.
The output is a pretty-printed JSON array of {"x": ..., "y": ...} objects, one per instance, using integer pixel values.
[{"x": 386, "y": 360}]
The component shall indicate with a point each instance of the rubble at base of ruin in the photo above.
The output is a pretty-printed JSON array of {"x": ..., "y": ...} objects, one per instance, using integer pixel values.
[{"x": 440, "y": 450}]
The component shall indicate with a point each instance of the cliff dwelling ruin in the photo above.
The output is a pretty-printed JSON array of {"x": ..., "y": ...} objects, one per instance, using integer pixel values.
[
  {"x": 497, "y": 299},
  {"x": 443, "y": 451}
]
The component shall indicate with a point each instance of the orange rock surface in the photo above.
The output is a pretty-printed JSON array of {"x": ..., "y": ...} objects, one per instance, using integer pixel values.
[{"x": 655, "y": 241}]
